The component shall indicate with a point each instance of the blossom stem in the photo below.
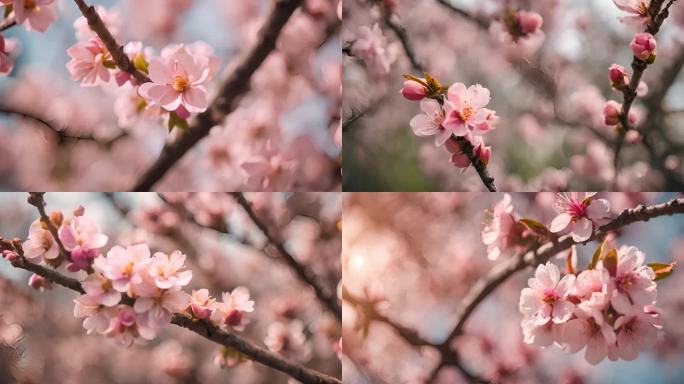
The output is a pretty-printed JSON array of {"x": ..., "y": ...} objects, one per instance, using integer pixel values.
[
  {"x": 115, "y": 49},
  {"x": 233, "y": 87},
  {"x": 325, "y": 296},
  {"x": 200, "y": 327}
]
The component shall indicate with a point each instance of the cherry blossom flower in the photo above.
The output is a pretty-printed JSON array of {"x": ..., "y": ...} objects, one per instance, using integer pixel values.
[
  {"x": 371, "y": 47},
  {"x": 590, "y": 331},
  {"x": 159, "y": 305},
  {"x": 579, "y": 213},
  {"x": 38, "y": 14},
  {"x": 110, "y": 18},
  {"x": 124, "y": 265},
  {"x": 500, "y": 231},
  {"x": 430, "y": 122},
  {"x": 274, "y": 170},
  {"x": 165, "y": 269},
  {"x": 639, "y": 12},
  {"x": 96, "y": 316},
  {"x": 546, "y": 297},
  {"x": 618, "y": 78},
  {"x": 100, "y": 290},
  {"x": 643, "y": 46},
  {"x": 178, "y": 80},
  {"x": 637, "y": 330},
  {"x": 90, "y": 63},
  {"x": 40, "y": 243},
  {"x": 201, "y": 304},
  {"x": 465, "y": 110},
  {"x": 83, "y": 238},
  {"x": 529, "y": 22},
  {"x": 230, "y": 312},
  {"x": 611, "y": 112},
  {"x": 127, "y": 326},
  {"x": 632, "y": 282}
]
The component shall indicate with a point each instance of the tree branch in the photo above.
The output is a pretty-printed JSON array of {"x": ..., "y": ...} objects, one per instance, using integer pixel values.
[
  {"x": 37, "y": 199},
  {"x": 115, "y": 49},
  {"x": 234, "y": 86},
  {"x": 200, "y": 327},
  {"x": 326, "y": 297}
]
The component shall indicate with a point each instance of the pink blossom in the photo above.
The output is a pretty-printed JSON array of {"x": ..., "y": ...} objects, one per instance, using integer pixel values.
[
  {"x": 159, "y": 305},
  {"x": 81, "y": 233},
  {"x": 639, "y": 10},
  {"x": 371, "y": 47},
  {"x": 460, "y": 159},
  {"x": 500, "y": 230},
  {"x": 274, "y": 170},
  {"x": 166, "y": 270},
  {"x": 288, "y": 339},
  {"x": 127, "y": 325},
  {"x": 579, "y": 213},
  {"x": 611, "y": 112},
  {"x": 618, "y": 77},
  {"x": 413, "y": 90},
  {"x": 643, "y": 46},
  {"x": 230, "y": 313},
  {"x": 40, "y": 243},
  {"x": 465, "y": 110},
  {"x": 90, "y": 63},
  {"x": 201, "y": 304},
  {"x": 546, "y": 297},
  {"x": 96, "y": 316},
  {"x": 636, "y": 330},
  {"x": 124, "y": 265},
  {"x": 632, "y": 282},
  {"x": 177, "y": 79},
  {"x": 430, "y": 122},
  {"x": 38, "y": 14},
  {"x": 100, "y": 290},
  {"x": 529, "y": 22},
  {"x": 39, "y": 282},
  {"x": 591, "y": 331},
  {"x": 111, "y": 19}
]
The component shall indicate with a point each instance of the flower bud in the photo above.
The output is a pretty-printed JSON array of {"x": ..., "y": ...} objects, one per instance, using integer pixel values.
[
  {"x": 632, "y": 137},
  {"x": 413, "y": 90},
  {"x": 611, "y": 112},
  {"x": 529, "y": 22},
  {"x": 643, "y": 46},
  {"x": 11, "y": 256},
  {"x": 56, "y": 217},
  {"x": 618, "y": 76},
  {"x": 39, "y": 282}
]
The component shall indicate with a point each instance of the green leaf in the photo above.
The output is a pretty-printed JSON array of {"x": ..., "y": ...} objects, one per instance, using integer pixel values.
[
  {"x": 536, "y": 227},
  {"x": 175, "y": 121},
  {"x": 141, "y": 64},
  {"x": 662, "y": 270},
  {"x": 597, "y": 255}
]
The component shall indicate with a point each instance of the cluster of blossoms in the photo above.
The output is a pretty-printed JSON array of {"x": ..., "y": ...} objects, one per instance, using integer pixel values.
[
  {"x": 372, "y": 48},
  {"x": 36, "y": 15},
  {"x": 458, "y": 111},
  {"x": 130, "y": 293},
  {"x": 643, "y": 47},
  {"x": 609, "y": 308},
  {"x": 178, "y": 76}
]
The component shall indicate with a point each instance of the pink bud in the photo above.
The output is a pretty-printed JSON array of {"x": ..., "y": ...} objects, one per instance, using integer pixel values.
[
  {"x": 39, "y": 282},
  {"x": 10, "y": 255},
  {"x": 452, "y": 146},
  {"x": 643, "y": 46},
  {"x": 484, "y": 153},
  {"x": 529, "y": 22},
  {"x": 413, "y": 90},
  {"x": 79, "y": 211},
  {"x": 618, "y": 76},
  {"x": 611, "y": 112}
]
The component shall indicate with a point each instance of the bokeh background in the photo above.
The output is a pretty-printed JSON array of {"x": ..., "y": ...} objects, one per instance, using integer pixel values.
[
  {"x": 417, "y": 254},
  {"x": 41, "y": 340},
  {"x": 550, "y": 135}
]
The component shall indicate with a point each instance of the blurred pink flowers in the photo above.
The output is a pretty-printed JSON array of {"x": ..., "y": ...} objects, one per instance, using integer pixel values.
[
  {"x": 38, "y": 14},
  {"x": 371, "y": 47},
  {"x": 579, "y": 213}
]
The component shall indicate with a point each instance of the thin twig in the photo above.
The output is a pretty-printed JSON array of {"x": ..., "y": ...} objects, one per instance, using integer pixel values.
[
  {"x": 326, "y": 297},
  {"x": 37, "y": 199},
  {"x": 234, "y": 86},
  {"x": 404, "y": 39}
]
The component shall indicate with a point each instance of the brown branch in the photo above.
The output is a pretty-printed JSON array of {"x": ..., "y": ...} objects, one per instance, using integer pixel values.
[
  {"x": 115, "y": 49},
  {"x": 482, "y": 23},
  {"x": 200, "y": 327},
  {"x": 326, "y": 297},
  {"x": 37, "y": 199},
  {"x": 62, "y": 135},
  {"x": 629, "y": 94},
  {"x": 404, "y": 39},
  {"x": 234, "y": 86}
]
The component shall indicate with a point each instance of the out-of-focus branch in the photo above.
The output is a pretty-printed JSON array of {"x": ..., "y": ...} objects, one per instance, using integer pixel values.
[
  {"x": 200, "y": 327},
  {"x": 233, "y": 87},
  {"x": 403, "y": 37},
  {"x": 327, "y": 297},
  {"x": 7, "y": 24},
  {"x": 629, "y": 94},
  {"x": 482, "y": 23},
  {"x": 115, "y": 49},
  {"x": 62, "y": 135}
]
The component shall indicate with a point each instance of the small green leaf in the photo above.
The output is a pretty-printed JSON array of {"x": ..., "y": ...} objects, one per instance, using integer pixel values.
[
  {"x": 597, "y": 255},
  {"x": 177, "y": 122},
  {"x": 535, "y": 226},
  {"x": 662, "y": 270},
  {"x": 141, "y": 64}
]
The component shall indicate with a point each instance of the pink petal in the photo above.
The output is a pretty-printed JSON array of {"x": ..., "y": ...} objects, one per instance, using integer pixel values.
[
  {"x": 195, "y": 99},
  {"x": 582, "y": 230},
  {"x": 560, "y": 222}
]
